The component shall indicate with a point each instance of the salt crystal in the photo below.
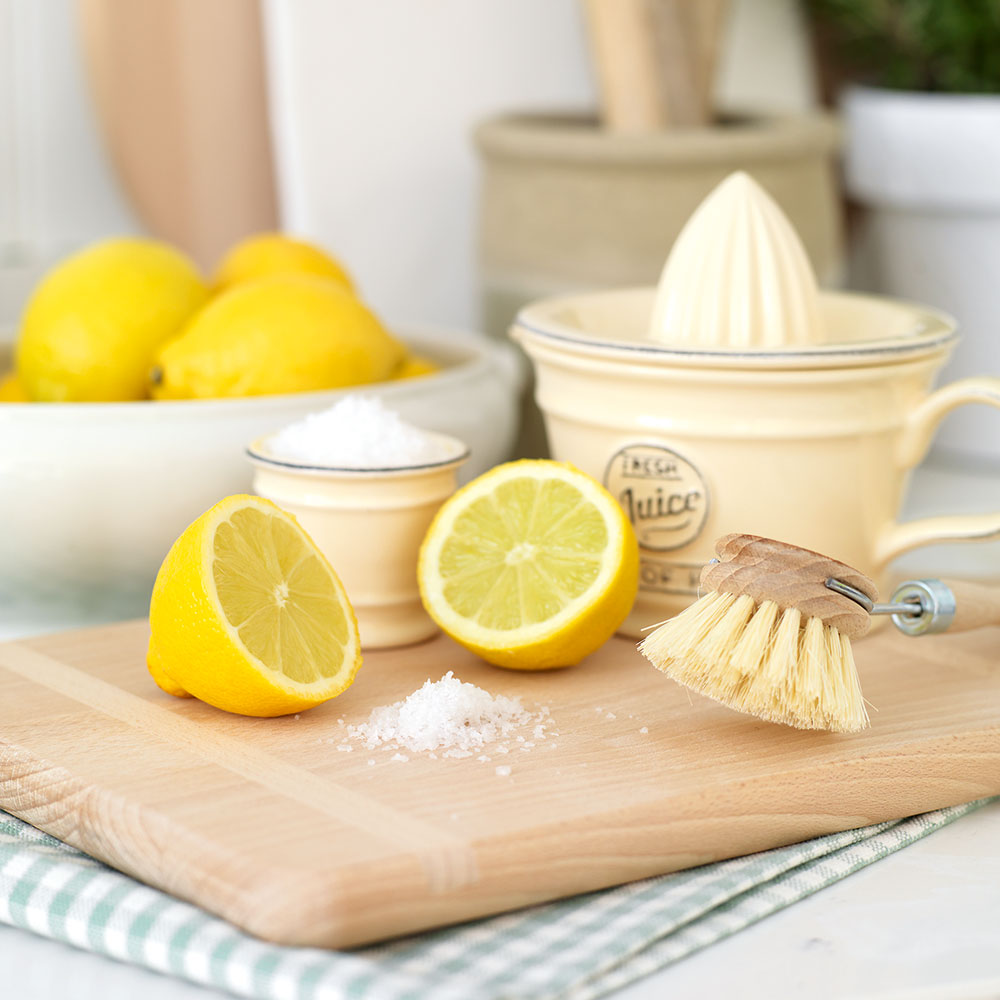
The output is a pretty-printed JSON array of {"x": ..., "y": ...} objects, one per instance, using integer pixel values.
[
  {"x": 503, "y": 771},
  {"x": 399, "y": 756},
  {"x": 645, "y": 729},
  {"x": 344, "y": 748},
  {"x": 446, "y": 713},
  {"x": 611, "y": 715},
  {"x": 371, "y": 763},
  {"x": 358, "y": 432},
  {"x": 296, "y": 718}
]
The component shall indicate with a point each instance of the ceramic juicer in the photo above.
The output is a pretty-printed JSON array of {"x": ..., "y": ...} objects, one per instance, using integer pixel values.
[{"x": 739, "y": 397}]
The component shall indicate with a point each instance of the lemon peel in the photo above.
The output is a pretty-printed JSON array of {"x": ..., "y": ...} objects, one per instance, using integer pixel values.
[
  {"x": 289, "y": 333},
  {"x": 267, "y": 254},
  {"x": 93, "y": 324}
]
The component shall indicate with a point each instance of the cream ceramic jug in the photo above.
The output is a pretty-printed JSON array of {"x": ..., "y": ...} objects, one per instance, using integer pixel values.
[{"x": 810, "y": 445}]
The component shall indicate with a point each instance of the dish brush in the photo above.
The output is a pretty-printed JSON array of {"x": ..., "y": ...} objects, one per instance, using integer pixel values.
[{"x": 772, "y": 635}]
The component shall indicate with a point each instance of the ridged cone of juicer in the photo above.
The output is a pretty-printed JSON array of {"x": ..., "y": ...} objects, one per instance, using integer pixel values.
[{"x": 738, "y": 277}]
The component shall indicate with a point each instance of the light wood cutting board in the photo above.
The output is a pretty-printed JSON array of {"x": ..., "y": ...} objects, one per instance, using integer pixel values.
[{"x": 267, "y": 824}]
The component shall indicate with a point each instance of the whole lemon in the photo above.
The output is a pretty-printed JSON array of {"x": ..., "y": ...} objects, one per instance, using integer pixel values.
[
  {"x": 93, "y": 324},
  {"x": 414, "y": 366},
  {"x": 269, "y": 254},
  {"x": 291, "y": 333},
  {"x": 11, "y": 389}
]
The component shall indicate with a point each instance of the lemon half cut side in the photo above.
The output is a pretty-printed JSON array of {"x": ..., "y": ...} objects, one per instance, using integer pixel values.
[
  {"x": 532, "y": 565},
  {"x": 248, "y": 615}
]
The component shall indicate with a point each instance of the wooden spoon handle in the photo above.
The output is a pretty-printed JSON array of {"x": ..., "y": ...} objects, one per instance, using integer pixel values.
[
  {"x": 976, "y": 606},
  {"x": 180, "y": 91},
  {"x": 655, "y": 61},
  {"x": 626, "y": 65}
]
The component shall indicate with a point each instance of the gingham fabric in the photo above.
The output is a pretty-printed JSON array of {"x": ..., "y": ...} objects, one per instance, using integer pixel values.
[{"x": 578, "y": 948}]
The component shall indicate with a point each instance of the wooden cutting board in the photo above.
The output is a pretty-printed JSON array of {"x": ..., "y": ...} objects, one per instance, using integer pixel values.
[{"x": 266, "y": 823}]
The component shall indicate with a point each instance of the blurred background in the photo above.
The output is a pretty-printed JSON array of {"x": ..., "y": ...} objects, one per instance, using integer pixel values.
[
  {"x": 371, "y": 128},
  {"x": 465, "y": 158},
  {"x": 345, "y": 121}
]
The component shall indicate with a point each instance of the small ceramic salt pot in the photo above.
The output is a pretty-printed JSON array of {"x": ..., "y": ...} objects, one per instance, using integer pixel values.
[{"x": 369, "y": 523}]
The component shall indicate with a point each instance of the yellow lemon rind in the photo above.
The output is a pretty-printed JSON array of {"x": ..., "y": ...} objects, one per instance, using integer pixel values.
[
  {"x": 95, "y": 320},
  {"x": 160, "y": 677},
  {"x": 267, "y": 254},
  {"x": 285, "y": 333},
  {"x": 12, "y": 389}
]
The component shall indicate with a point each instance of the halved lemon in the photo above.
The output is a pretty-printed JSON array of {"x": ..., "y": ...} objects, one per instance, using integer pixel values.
[
  {"x": 532, "y": 565},
  {"x": 248, "y": 615}
]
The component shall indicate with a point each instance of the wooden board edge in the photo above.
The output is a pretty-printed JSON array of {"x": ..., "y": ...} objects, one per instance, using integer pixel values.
[{"x": 672, "y": 836}]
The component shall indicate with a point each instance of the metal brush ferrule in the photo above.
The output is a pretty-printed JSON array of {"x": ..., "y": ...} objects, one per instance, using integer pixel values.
[
  {"x": 937, "y": 607},
  {"x": 917, "y": 607}
]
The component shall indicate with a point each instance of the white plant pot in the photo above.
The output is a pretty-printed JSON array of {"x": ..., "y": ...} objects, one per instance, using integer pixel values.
[{"x": 927, "y": 169}]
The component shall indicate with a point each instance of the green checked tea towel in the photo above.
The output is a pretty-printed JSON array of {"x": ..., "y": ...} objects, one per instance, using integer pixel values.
[{"x": 577, "y": 948}]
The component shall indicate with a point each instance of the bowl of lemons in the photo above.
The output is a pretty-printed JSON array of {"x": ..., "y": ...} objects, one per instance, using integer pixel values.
[{"x": 134, "y": 385}]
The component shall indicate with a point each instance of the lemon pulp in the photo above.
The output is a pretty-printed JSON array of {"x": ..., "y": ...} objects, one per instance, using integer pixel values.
[{"x": 277, "y": 595}]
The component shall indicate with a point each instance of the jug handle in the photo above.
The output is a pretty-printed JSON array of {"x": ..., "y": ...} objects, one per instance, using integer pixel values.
[{"x": 921, "y": 425}]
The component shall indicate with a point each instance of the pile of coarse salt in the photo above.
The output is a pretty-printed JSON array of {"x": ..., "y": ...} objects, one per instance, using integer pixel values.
[
  {"x": 358, "y": 432},
  {"x": 456, "y": 718}
]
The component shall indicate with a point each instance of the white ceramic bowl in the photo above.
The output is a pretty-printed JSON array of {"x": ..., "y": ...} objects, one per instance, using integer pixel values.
[{"x": 93, "y": 494}]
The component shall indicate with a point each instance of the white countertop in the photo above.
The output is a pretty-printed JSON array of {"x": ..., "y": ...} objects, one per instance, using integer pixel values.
[{"x": 923, "y": 923}]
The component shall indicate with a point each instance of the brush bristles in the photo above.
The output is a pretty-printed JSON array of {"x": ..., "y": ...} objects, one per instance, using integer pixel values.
[{"x": 763, "y": 661}]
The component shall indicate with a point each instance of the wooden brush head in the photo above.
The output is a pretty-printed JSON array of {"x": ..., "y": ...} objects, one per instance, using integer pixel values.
[{"x": 792, "y": 577}]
